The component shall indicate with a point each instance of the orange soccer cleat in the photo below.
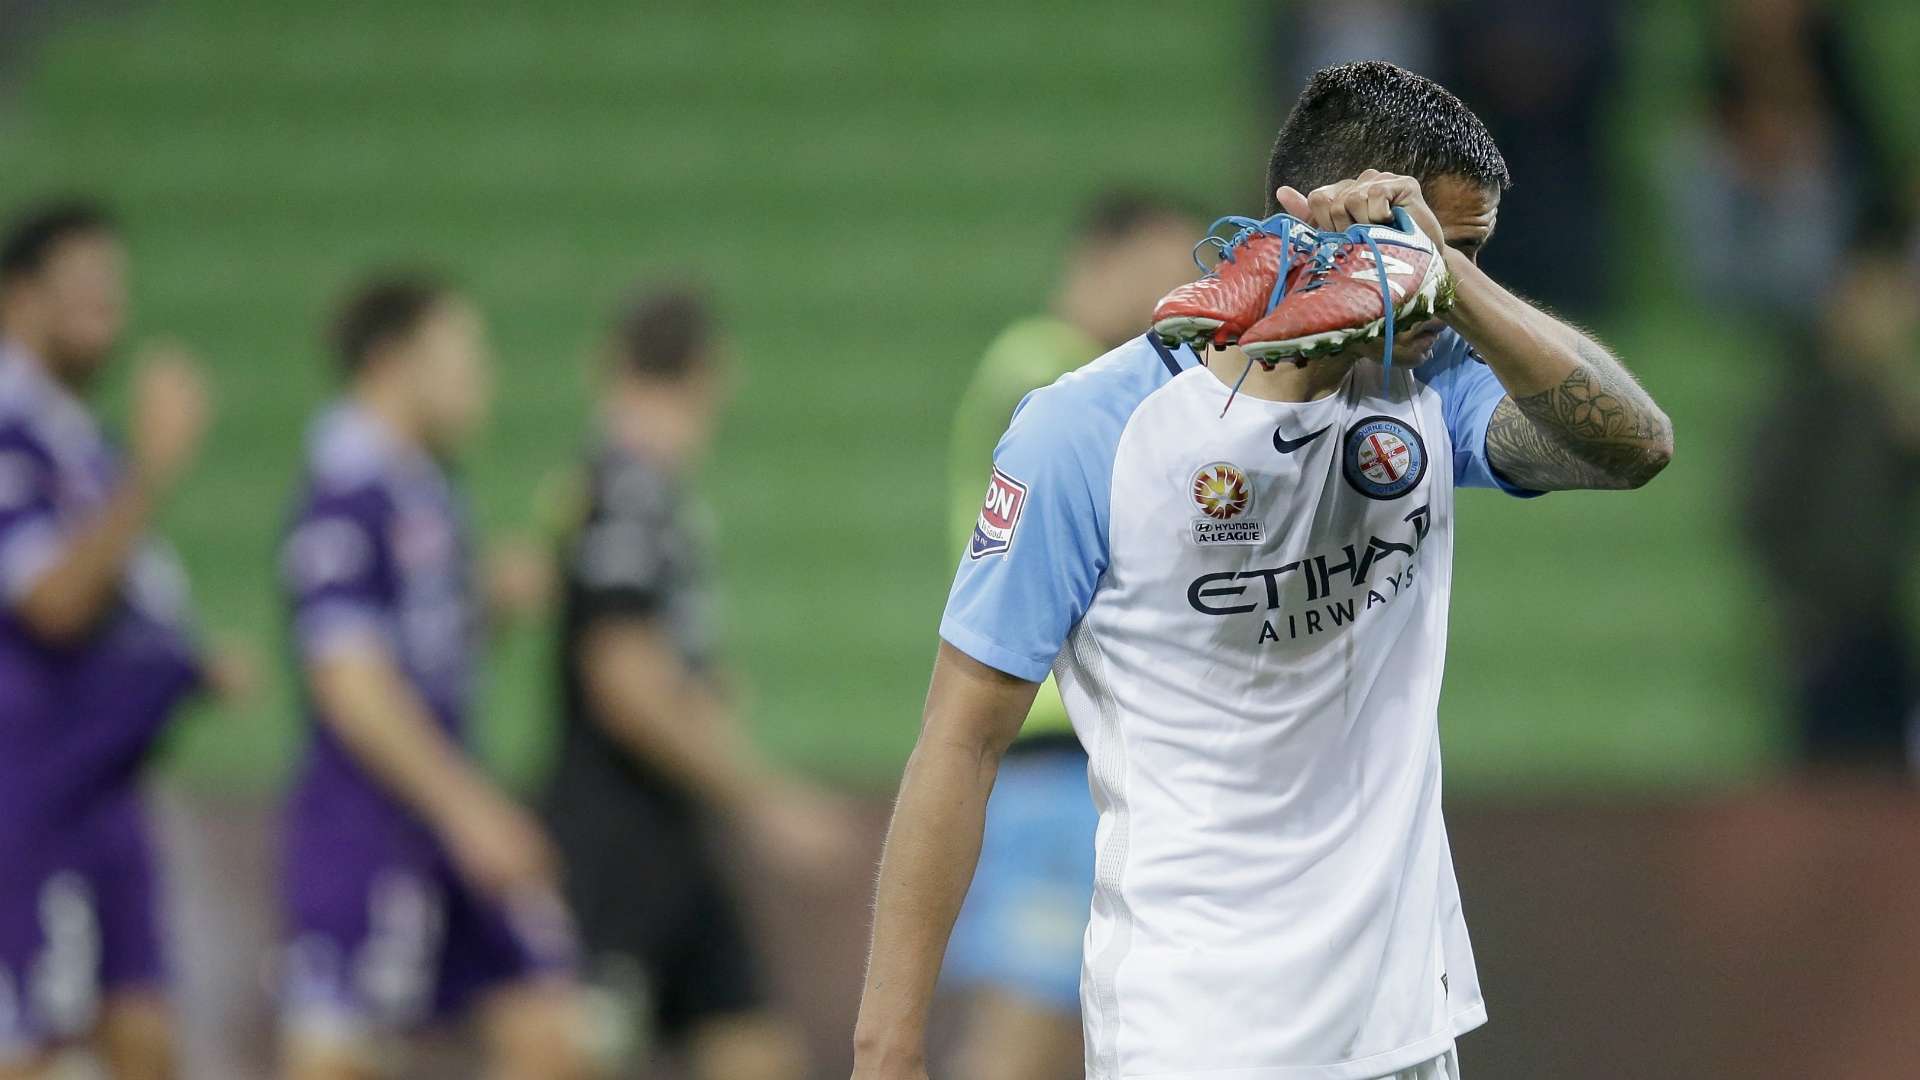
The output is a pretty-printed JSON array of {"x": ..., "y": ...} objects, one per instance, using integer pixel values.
[
  {"x": 1240, "y": 289},
  {"x": 1365, "y": 282}
]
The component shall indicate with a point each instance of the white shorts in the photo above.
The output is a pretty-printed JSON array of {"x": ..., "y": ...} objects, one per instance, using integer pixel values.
[{"x": 1444, "y": 1067}]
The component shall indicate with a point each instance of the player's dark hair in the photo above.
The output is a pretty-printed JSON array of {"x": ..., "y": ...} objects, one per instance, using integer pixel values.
[
  {"x": 383, "y": 310},
  {"x": 663, "y": 333},
  {"x": 1119, "y": 213},
  {"x": 1374, "y": 115},
  {"x": 34, "y": 234}
]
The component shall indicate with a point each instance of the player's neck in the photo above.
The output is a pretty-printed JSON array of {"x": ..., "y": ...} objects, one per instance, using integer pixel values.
[
  {"x": 387, "y": 405},
  {"x": 650, "y": 427},
  {"x": 23, "y": 339},
  {"x": 1310, "y": 381},
  {"x": 1090, "y": 312},
  {"x": 23, "y": 335}
]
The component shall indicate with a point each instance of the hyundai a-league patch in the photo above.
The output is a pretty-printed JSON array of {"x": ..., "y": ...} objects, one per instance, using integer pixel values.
[
  {"x": 1221, "y": 492},
  {"x": 999, "y": 515}
]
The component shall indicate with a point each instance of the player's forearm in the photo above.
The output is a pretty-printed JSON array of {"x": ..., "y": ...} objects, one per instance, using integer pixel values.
[
  {"x": 693, "y": 740},
  {"x": 1575, "y": 416},
  {"x": 389, "y": 731},
  {"x": 933, "y": 845},
  {"x": 644, "y": 696},
  {"x": 72, "y": 594}
]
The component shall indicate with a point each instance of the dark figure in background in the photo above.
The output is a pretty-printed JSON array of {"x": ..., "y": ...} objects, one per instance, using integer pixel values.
[
  {"x": 654, "y": 758},
  {"x": 1814, "y": 221},
  {"x": 1539, "y": 73},
  {"x": 1845, "y": 437}
]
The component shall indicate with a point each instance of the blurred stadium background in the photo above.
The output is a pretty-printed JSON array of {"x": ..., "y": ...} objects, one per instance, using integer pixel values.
[{"x": 874, "y": 190}]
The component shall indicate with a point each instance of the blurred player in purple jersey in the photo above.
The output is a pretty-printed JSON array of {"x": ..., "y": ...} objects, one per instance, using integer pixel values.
[
  {"x": 94, "y": 652},
  {"x": 416, "y": 889}
]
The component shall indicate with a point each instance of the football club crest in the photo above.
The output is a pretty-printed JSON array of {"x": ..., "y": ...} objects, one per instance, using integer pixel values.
[
  {"x": 1383, "y": 458},
  {"x": 1221, "y": 492},
  {"x": 999, "y": 514}
]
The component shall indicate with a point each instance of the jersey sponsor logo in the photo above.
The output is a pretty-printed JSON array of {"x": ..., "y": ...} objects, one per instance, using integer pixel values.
[
  {"x": 999, "y": 516},
  {"x": 327, "y": 551},
  {"x": 1383, "y": 458},
  {"x": 1224, "y": 495},
  {"x": 1340, "y": 587}
]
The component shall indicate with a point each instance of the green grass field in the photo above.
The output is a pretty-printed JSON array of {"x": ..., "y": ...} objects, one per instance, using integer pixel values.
[{"x": 873, "y": 189}]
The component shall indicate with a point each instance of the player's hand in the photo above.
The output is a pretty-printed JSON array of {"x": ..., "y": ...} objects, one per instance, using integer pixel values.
[
  {"x": 861, "y": 1072},
  {"x": 172, "y": 407},
  {"x": 1367, "y": 199},
  {"x": 232, "y": 674},
  {"x": 498, "y": 847},
  {"x": 519, "y": 579},
  {"x": 871, "y": 1063},
  {"x": 808, "y": 834}
]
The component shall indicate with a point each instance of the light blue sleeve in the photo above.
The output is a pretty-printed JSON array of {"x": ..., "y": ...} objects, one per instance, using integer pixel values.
[
  {"x": 1040, "y": 545},
  {"x": 1468, "y": 393}
]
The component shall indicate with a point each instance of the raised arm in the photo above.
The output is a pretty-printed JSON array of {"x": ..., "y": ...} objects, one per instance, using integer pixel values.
[
  {"x": 79, "y": 583},
  {"x": 1574, "y": 417},
  {"x": 972, "y": 714}
]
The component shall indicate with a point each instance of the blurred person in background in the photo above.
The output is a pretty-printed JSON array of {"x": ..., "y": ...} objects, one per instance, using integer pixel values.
[
  {"x": 1847, "y": 624},
  {"x": 1016, "y": 947},
  {"x": 1789, "y": 171},
  {"x": 1540, "y": 73},
  {"x": 95, "y": 651},
  {"x": 415, "y": 888},
  {"x": 655, "y": 764},
  {"x": 1303, "y": 38}
]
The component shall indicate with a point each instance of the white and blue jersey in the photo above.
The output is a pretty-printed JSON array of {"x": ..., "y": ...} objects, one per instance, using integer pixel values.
[{"x": 1247, "y": 616}]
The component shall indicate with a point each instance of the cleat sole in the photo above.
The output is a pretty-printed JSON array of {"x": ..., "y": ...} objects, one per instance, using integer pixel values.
[{"x": 1186, "y": 329}]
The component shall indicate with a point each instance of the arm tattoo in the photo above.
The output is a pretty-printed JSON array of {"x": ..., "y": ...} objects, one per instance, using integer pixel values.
[{"x": 1597, "y": 429}]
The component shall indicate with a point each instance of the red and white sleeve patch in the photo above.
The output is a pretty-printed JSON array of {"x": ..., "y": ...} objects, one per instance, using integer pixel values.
[{"x": 999, "y": 516}]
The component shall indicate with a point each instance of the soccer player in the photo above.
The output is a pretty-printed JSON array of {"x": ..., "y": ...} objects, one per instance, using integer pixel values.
[
  {"x": 94, "y": 651},
  {"x": 415, "y": 888},
  {"x": 1246, "y": 610},
  {"x": 653, "y": 757},
  {"x": 1016, "y": 947}
]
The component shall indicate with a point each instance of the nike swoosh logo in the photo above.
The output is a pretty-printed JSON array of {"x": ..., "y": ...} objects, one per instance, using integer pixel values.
[{"x": 1288, "y": 446}]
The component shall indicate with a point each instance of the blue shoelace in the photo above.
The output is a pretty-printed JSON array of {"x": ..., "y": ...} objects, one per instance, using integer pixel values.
[
  {"x": 1280, "y": 225},
  {"x": 1325, "y": 247}
]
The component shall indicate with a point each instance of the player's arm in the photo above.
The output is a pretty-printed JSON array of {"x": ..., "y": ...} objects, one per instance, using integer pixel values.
[
  {"x": 1574, "y": 417},
  {"x": 645, "y": 696},
  {"x": 384, "y": 724},
  {"x": 660, "y": 708},
  {"x": 62, "y": 600},
  {"x": 333, "y": 564},
  {"x": 972, "y": 713},
  {"x": 1029, "y": 576}
]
